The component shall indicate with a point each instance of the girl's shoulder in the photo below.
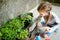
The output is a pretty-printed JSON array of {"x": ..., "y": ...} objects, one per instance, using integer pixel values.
[{"x": 53, "y": 13}]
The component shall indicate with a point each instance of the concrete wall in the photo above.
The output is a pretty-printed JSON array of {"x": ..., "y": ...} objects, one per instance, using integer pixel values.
[{"x": 11, "y": 8}]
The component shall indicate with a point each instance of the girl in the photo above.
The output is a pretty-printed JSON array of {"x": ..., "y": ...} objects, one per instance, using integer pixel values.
[{"x": 43, "y": 19}]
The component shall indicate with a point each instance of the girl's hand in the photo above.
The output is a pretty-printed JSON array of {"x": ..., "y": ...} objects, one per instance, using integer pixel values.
[{"x": 47, "y": 28}]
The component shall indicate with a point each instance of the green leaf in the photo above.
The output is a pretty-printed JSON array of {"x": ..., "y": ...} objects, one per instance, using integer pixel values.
[{"x": 0, "y": 34}]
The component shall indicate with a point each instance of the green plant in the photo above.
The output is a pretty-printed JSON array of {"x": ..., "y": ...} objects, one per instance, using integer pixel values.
[
  {"x": 23, "y": 34},
  {"x": 0, "y": 34},
  {"x": 9, "y": 30},
  {"x": 13, "y": 29}
]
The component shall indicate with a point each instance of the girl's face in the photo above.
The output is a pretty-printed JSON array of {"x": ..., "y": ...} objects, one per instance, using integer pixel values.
[{"x": 46, "y": 11}]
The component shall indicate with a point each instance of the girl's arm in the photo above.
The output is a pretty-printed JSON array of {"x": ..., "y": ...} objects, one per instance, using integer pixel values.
[{"x": 38, "y": 24}]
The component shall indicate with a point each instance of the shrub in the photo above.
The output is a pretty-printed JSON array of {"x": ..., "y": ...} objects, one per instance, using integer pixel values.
[{"x": 14, "y": 29}]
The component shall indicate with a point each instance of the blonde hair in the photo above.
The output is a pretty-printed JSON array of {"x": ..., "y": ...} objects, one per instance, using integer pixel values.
[{"x": 43, "y": 5}]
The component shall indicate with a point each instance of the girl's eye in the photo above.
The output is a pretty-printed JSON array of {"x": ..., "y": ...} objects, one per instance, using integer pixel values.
[{"x": 48, "y": 10}]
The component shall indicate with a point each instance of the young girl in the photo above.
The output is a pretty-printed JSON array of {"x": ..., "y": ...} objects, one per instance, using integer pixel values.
[{"x": 43, "y": 19}]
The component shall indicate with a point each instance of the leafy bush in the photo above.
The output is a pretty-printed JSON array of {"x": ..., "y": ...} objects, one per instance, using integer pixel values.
[
  {"x": 23, "y": 34},
  {"x": 13, "y": 29}
]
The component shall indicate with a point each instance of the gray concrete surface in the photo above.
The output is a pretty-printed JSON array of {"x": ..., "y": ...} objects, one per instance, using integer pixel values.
[
  {"x": 56, "y": 36},
  {"x": 12, "y": 8}
]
